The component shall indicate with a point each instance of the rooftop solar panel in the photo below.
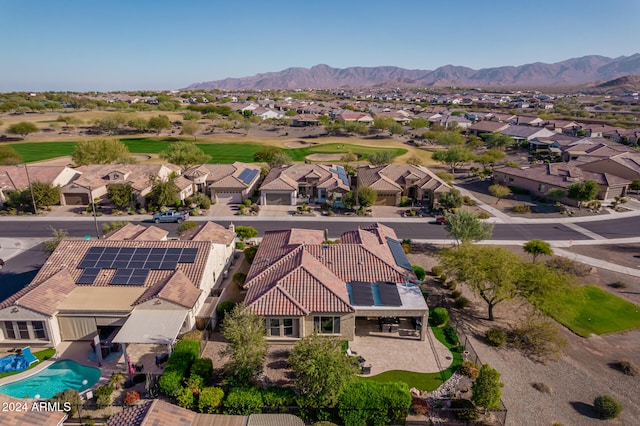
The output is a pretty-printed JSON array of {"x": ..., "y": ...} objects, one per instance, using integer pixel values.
[
  {"x": 389, "y": 295},
  {"x": 142, "y": 250},
  {"x": 112, "y": 250},
  {"x": 187, "y": 258},
  {"x": 398, "y": 254},
  {"x": 168, "y": 265},
  {"x": 95, "y": 250},
  {"x": 152, "y": 265},
  {"x": 127, "y": 250},
  {"x": 87, "y": 264},
  {"x": 362, "y": 294},
  {"x": 136, "y": 280},
  {"x": 88, "y": 276},
  {"x": 135, "y": 264},
  {"x": 192, "y": 251},
  {"x": 174, "y": 251},
  {"x": 247, "y": 175}
]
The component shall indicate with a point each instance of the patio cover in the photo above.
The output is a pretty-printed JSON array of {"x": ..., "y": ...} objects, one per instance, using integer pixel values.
[{"x": 152, "y": 326}]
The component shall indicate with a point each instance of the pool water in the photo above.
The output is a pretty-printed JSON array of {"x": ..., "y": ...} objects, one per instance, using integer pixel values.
[{"x": 58, "y": 377}]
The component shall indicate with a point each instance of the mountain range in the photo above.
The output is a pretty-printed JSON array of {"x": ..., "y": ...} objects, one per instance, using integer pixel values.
[{"x": 569, "y": 73}]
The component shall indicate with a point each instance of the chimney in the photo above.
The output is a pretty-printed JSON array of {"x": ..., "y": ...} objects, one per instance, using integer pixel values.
[{"x": 232, "y": 227}]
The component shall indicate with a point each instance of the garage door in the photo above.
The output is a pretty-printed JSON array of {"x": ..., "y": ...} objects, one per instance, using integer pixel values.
[
  {"x": 229, "y": 197},
  {"x": 615, "y": 192},
  {"x": 278, "y": 199},
  {"x": 386, "y": 200},
  {"x": 76, "y": 199}
]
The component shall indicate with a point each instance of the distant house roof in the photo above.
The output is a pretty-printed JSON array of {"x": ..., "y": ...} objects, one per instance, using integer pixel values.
[
  {"x": 15, "y": 177},
  {"x": 137, "y": 175},
  {"x": 396, "y": 177},
  {"x": 486, "y": 126},
  {"x": 210, "y": 231},
  {"x": 238, "y": 176},
  {"x": 138, "y": 232},
  {"x": 527, "y": 132},
  {"x": 562, "y": 175},
  {"x": 289, "y": 177}
]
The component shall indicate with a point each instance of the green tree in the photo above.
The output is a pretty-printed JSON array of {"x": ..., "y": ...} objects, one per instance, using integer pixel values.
[
  {"x": 396, "y": 129},
  {"x": 583, "y": 191},
  {"x": 454, "y": 157},
  {"x": 9, "y": 156},
  {"x": 366, "y": 197},
  {"x": 465, "y": 226},
  {"x": 357, "y": 128},
  {"x": 414, "y": 160},
  {"x": 556, "y": 193},
  {"x": 105, "y": 151},
  {"x": 244, "y": 332},
  {"x": 349, "y": 157},
  {"x": 486, "y": 388},
  {"x": 493, "y": 273},
  {"x": 138, "y": 123},
  {"x": 381, "y": 158},
  {"x": 246, "y": 232},
  {"x": 280, "y": 159},
  {"x": 451, "y": 200},
  {"x": 450, "y": 138},
  {"x": 321, "y": 370},
  {"x": 120, "y": 194},
  {"x": 499, "y": 191},
  {"x": 57, "y": 236},
  {"x": 418, "y": 123},
  {"x": 24, "y": 128},
  {"x": 266, "y": 154},
  {"x": 490, "y": 157},
  {"x": 184, "y": 154},
  {"x": 635, "y": 185},
  {"x": 537, "y": 247},
  {"x": 159, "y": 123},
  {"x": 191, "y": 116},
  {"x": 52, "y": 105},
  {"x": 164, "y": 192},
  {"x": 498, "y": 140},
  {"x": 45, "y": 194},
  {"x": 333, "y": 127},
  {"x": 383, "y": 123}
]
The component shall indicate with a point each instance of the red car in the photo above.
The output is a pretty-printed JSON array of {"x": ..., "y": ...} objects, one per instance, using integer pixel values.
[{"x": 440, "y": 220}]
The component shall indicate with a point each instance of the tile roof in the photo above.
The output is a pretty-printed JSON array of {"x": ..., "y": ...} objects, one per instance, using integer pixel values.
[
  {"x": 28, "y": 417},
  {"x": 132, "y": 416},
  {"x": 274, "y": 420},
  {"x": 396, "y": 177},
  {"x": 97, "y": 175},
  {"x": 15, "y": 177},
  {"x": 209, "y": 231},
  {"x": 50, "y": 293},
  {"x": 289, "y": 177},
  {"x": 294, "y": 273},
  {"x": 488, "y": 126},
  {"x": 71, "y": 252},
  {"x": 137, "y": 232},
  {"x": 227, "y": 175},
  {"x": 562, "y": 175},
  {"x": 177, "y": 289},
  {"x": 162, "y": 413}
]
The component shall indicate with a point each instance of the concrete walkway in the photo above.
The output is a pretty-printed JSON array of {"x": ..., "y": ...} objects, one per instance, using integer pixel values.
[{"x": 10, "y": 247}]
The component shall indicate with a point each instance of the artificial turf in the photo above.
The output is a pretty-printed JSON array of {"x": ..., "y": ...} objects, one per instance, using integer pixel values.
[
  {"x": 42, "y": 355},
  {"x": 591, "y": 310}
]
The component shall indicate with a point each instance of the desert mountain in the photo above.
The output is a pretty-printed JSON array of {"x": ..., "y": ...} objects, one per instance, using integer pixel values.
[{"x": 572, "y": 72}]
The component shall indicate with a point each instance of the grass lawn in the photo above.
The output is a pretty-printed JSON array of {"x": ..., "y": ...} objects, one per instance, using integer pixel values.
[
  {"x": 39, "y": 151},
  {"x": 594, "y": 311},
  {"x": 221, "y": 153},
  {"x": 42, "y": 355},
  {"x": 423, "y": 381}
]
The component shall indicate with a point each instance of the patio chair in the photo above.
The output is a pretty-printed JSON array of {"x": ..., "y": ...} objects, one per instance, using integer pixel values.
[
  {"x": 351, "y": 353},
  {"x": 26, "y": 353}
]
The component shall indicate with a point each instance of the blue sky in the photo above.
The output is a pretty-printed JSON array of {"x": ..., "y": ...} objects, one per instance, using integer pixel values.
[{"x": 156, "y": 44}]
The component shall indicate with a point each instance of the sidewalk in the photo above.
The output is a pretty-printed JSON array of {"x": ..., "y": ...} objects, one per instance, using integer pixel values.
[{"x": 10, "y": 247}]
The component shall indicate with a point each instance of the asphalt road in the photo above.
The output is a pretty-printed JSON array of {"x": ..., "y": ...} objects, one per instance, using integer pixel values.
[
  {"x": 617, "y": 228},
  {"x": 20, "y": 270}
]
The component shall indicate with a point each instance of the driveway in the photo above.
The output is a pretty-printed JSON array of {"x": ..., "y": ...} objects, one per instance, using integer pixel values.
[{"x": 400, "y": 350}]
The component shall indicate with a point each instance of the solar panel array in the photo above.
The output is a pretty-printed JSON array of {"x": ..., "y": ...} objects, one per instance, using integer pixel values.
[
  {"x": 362, "y": 293},
  {"x": 247, "y": 175},
  {"x": 132, "y": 264},
  {"x": 342, "y": 174},
  {"x": 398, "y": 254},
  {"x": 374, "y": 294},
  {"x": 389, "y": 294}
]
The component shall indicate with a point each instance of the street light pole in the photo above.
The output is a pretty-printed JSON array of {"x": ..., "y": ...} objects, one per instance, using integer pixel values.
[
  {"x": 93, "y": 207},
  {"x": 33, "y": 199}
]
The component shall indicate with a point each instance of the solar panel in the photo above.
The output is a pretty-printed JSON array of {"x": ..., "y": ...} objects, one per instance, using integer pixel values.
[
  {"x": 104, "y": 264},
  {"x": 95, "y": 250},
  {"x": 193, "y": 251},
  {"x": 152, "y": 265},
  {"x": 168, "y": 265},
  {"x": 398, "y": 254},
  {"x": 134, "y": 280},
  {"x": 389, "y": 295},
  {"x": 88, "y": 276},
  {"x": 158, "y": 251},
  {"x": 362, "y": 293},
  {"x": 174, "y": 251},
  {"x": 111, "y": 250},
  {"x": 187, "y": 258},
  {"x": 127, "y": 250},
  {"x": 142, "y": 251},
  {"x": 119, "y": 264},
  {"x": 135, "y": 264},
  {"x": 171, "y": 257},
  {"x": 247, "y": 175},
  {"x": 87, "y": 264}
]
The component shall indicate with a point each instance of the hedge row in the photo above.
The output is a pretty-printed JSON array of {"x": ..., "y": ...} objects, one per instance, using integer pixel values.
[
  {"x": 365, "y": 402},
  {"x": 186, "y": 352}
]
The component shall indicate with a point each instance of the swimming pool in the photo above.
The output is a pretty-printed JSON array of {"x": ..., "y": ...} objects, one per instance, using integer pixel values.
[{"x": 58, "y": 377}]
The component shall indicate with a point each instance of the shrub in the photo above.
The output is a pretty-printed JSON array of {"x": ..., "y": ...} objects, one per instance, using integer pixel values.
[
  {"x": 194, "y": 383},
  {"x": 368, "y": 402},
  {"x": 179, "y": 363},
  {"x": 70, "y": 396},
  {"x": 240, "y": 245},
  {"x": 223, "y": 309},
  {"x": 184, "y": 397},
  {"x": 420, "y": 272},
  {"x": 202, "y": 367},
  {"x": 607, "y": 407},
  {"x": 185, "y": 226},
  {"x": 483, "y": 215},
  {"x": 569, "y": 266},
  {"x": 461, "y": 302},
  {"x": 324, "y": 423},
  {"x": 451, "y": 285},
  {"x": 243, "y": 401},
  {"x": 131, "y": 397},
  {"x": 521, "y": 208},
  {"x": 443, "y": 278},
  {"x": 451, "y": 336},
  {"x": 418, "y": 407},
  {"x": 437, "y": 270},
  {"x": 239, "y": 278},
  {"x": 210, "y": 399},
  {"x": 465, "y": 410},
  {"x": 456, "y": 293},
  {"x": 541, "y": 387},
  {"x": 247, "y": 202},
  {"x": 468, "y": 201},
  {"x": 250, "y": 253},
  {"x": 627, "y": 367},
  {"x": 537, "y": 338},
  {"x": 275, "y": 397},
  {"x": 439, "y": 316},
  {"x": 405, "y": 201},
  {"x": 170, "y": 381},
  {"x": 469, "y": 369},
  {"x": 201, "y": 201},
  {"x": 495, "y": 337},
  {"x": 103, "y": 395}
]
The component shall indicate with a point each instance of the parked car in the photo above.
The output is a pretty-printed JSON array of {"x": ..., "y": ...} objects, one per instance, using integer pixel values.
[
  {"x": 171, "y": 216},
  {"x": 441, "y": 220}
]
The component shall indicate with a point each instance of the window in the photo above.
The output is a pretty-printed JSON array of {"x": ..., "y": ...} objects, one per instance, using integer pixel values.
[
  {"x": 322, "y": 193},
  {"x": 541, "y": 187},
  {"x": 286, "y": 327},
  {"x": 24, "y": 330},
  {"x": 327, "y": 325}
]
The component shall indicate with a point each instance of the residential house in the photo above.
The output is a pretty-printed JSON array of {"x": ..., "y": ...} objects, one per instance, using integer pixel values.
[
  {"x": 225, "y": 183},
  {"x": 562, "y": 126},
  {"x": 590, "y": 148},
  {"x": 526, "y": 133},
  {"x": 94, "y": 180},
  {"x": 487, "y": 126},
  {"x": 451, "y": 121},
  {"x": 132, "y": 290},
  {"x": 359, "y": 117},
  {"x": 394, "y": 181},
  {"x": 625, "y": 165},
  {"x": 17, "y": 178},
  {"x": 596, "y": 130},
  {"x": 525, "y": 120},
  {"x": 301, "y": 285},
  {"x": 266, "y": 113},
  {"x": 540, "y": 179},
  {"x": 304, "y": 120},
  {"x": 313, "y": 183}
]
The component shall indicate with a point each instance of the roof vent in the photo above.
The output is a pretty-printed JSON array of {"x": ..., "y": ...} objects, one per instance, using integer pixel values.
[{"x": 360, "y": 262}]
